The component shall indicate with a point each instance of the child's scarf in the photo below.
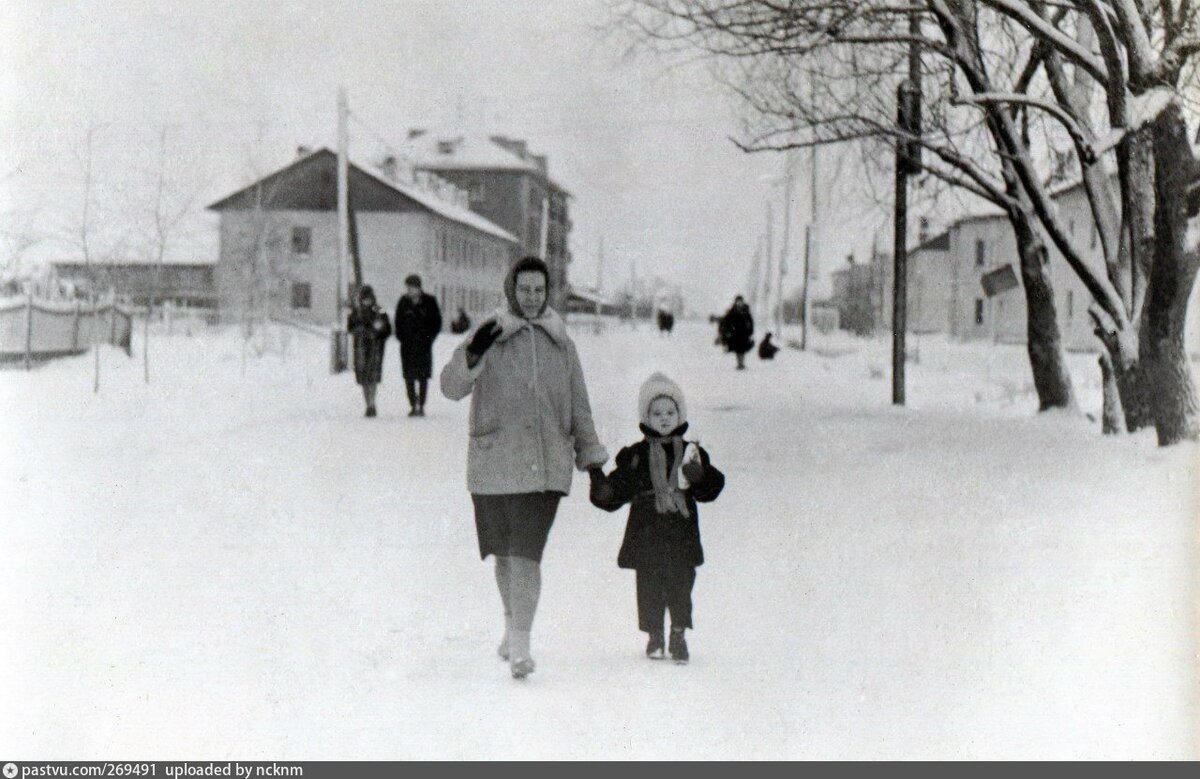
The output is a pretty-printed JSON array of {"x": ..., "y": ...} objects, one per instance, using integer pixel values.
[{"x": 668, "y": 498}]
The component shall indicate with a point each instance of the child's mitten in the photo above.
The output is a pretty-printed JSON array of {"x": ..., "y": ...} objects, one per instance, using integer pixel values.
[{"x": 692, "y": 468}]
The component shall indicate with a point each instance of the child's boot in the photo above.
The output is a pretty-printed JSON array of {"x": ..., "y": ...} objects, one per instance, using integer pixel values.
[
  {"x": 678, "y": 646},
  {"x": 656, "y": 646}
]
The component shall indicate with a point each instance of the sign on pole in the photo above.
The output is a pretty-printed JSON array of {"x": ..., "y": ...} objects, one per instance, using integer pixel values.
[{"x": 1000, "y": 280}]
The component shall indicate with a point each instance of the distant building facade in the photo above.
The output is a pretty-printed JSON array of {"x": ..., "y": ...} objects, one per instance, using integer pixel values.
[
  {"x": 507, "y": 185},
  {"x": 279, "y": 244},
  {"x": 980, "y": 245},
  {"x": 945, "y": 281},
  {"x": 190, "y": 284}
]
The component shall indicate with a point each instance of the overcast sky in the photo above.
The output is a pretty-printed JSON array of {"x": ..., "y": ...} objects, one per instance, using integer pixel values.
[{"x": 641, "y": 144}]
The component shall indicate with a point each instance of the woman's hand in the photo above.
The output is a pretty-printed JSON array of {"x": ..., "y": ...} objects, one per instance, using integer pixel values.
[{"x": 483, "y": 339}]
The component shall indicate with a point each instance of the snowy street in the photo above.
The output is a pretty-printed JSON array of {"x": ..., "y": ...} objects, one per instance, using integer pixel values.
[{"x": 231, "y": 562}]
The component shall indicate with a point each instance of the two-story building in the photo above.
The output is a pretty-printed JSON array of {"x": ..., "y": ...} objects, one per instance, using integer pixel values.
[
  {"x": 983, "y": 244},
  {"x": 506, "y": 184},
  {"x": 946, "y": 292},
  {"x": 279, "y": 244}
]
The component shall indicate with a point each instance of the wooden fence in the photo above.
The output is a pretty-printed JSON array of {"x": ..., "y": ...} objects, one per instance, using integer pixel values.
[{"x": 35, "y": 329}]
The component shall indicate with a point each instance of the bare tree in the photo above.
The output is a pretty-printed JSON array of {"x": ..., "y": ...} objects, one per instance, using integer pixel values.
[
  {"x": 815, "y": 73},
  {"x": 82, "y": 235},
  {"x": 1142, "y": 56},
  {"x": 171, "y": 204},
  {"x": 1139, "y": 56}
]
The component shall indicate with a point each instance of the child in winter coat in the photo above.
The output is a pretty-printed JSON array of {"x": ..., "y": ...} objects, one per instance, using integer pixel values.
[{"x": 662, "y": 477}]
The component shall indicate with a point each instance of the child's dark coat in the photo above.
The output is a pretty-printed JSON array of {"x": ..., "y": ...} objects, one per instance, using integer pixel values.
[{"x": 651, "y": 539}]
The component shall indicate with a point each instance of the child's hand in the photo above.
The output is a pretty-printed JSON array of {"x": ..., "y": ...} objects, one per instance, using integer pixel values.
[{"x": 691, "y": 469}]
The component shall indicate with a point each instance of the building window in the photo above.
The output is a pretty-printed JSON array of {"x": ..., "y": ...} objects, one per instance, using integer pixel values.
[
  {"x": 476, "y": 192},
  {"x": 301, "y": 240},
  {"x": 978, "y": 311},
  {"x": 1095, "y": 235},
  {"x": 1071, "y": 226},
  {"x": 980, "y": 254},
  {"x": 301, "y": 294},
  {"x": 1070, "y": 303}
]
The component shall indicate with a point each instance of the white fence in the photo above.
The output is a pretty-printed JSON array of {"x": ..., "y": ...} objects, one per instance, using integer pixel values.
[{"x": 35, "y": 329}]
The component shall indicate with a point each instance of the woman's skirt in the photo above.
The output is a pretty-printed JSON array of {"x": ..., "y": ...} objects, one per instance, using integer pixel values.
[{"x": 515, "y": 525}]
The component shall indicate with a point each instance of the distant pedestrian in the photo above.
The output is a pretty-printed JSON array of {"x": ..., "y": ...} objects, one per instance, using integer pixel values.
[
  {"x": 461, "y": 323},
  {"x": 766, "y": 349},
  {"x": 369, "y": 327},
  {"x": 661, "y": 477},
  {"x": 666, "y": 321},
  {"x": 418, "y": 322},
  {"x": 530, "y": 418},
  {"x": 737, "y": 330}
]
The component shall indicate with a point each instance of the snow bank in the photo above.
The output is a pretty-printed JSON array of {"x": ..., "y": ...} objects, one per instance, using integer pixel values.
[{"x": 232, "y": 562}]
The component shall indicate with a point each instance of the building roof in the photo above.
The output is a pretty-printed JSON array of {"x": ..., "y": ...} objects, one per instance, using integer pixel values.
[
  {"x": 309, "y": 184},
  {"x": 462, "y": 150},
  {"x": 938, "y": 243}
]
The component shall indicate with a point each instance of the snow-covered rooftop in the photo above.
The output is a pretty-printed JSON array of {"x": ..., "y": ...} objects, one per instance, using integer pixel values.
[
  {"x": 449, "y": 149},
  {"x": 440, "y": 205}
]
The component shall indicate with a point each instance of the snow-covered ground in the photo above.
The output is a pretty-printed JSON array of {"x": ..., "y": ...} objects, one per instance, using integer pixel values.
[{"x": 232, "y": 562}]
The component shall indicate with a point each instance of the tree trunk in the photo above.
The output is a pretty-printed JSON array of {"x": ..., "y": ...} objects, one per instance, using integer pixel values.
[
  {"x": 1172, "y": 276},
  {"x": 1136, "y": 165},
  {"x": 1113, "y": 417},
  {"x": 1047, "y": 359}
]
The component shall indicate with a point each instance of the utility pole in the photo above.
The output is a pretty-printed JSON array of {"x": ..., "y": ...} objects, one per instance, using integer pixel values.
[
  {"x": 755, "y": 268},
  {"x": 343, "y": 202},
  {"x": 908, "y": 162},
  {"x": 765, "y": 281},
  {"x": 810, "y": 247},
  {"x": 633, "y": 291},
  {"x": 339, "y": 346},
  {"x": 783, "y": 250},
  {"x": 544, "y": 239},
  {"x": 599, "y": 275}
]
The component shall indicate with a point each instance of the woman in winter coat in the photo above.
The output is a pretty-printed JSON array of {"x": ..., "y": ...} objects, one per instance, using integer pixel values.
[
  {"x": 530, "y": 421},
  {"x": 737, "y": 330},
  {"x": 418, "y": 322},
  {"x": 369, "y": 327},
  {"x": 661, "y": 477}
]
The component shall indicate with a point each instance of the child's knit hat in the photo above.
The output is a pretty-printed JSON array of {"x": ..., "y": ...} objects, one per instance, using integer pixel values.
[{"x": 659, "y": 386}]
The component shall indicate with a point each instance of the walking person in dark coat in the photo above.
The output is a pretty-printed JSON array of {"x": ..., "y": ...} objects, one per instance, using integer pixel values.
[
  {"x": 737, "y": 330},
  {"x": 666, "y": 321},
  {"x": 662, "y": 477},
  {"x": 418, "y": 322},
  {"x": 369, "y": 327}
]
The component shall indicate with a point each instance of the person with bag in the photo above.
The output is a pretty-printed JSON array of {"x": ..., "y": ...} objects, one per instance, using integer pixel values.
[
  {"x": 369, "y": 327},
  {"x": 737, "y": 330},
  {"x": 530, "y": 422}
]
